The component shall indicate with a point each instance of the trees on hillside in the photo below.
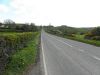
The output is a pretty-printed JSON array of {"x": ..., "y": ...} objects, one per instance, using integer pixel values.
[
  {"x": 67, "y": 30},
  {"x": 60, "y": 30}
]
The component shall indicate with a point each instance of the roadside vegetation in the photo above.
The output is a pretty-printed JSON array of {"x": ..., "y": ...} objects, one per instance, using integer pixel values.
[
  {"x": 20, "y": 60},
  {"x": 86, "y": 35},
  {"x": 18, "y": 46}
]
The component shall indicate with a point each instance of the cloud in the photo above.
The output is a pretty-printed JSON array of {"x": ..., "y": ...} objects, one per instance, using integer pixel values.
[
  {"x": 24, "y": 10},
  {"x": 3, "y": 9},
  {"x": 57, "y": 12}
]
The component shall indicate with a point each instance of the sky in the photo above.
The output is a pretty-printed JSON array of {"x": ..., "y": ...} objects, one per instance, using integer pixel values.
[{"x": 75, "y": 13}]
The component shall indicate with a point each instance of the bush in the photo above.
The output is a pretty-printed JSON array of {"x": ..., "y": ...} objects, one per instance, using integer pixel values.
[
  {"x": 88, "y": 35},
  {"x": 93, "y": 34},
  {"x": 20, "y": 60},
  {"x": 96, "y": 31},
  {"x": 71, "y": 35},
  {"x": 96, "y": 38},
  {"x": 11, "y": 42}
]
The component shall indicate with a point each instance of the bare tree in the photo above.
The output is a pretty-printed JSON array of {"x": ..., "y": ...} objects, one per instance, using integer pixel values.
[{"x": 9, "y": 23}]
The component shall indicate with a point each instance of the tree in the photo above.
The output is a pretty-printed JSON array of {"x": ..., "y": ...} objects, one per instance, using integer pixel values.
[
  {"x": 25, "y": 28},
  {"x": 33, "y": 27},
  {"x": 9, "y": 23},
  {"x": 0, "y": 24}
]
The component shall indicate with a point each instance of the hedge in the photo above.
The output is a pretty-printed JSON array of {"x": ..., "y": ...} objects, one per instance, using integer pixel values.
[{"x": 11, "y": 42}]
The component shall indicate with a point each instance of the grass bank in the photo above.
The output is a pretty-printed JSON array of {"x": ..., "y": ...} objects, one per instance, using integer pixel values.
[
  {"x": 81, "y": 39},
  {"x": 20, "y": 60}
]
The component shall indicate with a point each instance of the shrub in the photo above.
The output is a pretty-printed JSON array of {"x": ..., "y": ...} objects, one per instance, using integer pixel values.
[
  {"x": 96, "y": 31},
  {"x": 15, "y": 41},
  {"x": 11, "y": 42},
  {"x": 88, "y": 35},
  {"x": 71, "y": 35},
  {"x": 96, "y": 38}
]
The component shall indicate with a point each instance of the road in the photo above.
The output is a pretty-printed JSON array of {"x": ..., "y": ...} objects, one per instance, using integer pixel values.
[{"x": 67, "y": 57}]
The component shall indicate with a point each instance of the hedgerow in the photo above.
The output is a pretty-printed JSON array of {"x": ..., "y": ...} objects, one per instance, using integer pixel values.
[{"x": 12, "y": 42}]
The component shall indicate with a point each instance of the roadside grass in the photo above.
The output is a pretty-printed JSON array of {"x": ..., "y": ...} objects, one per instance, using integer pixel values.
[
  {"x": 20, "y": 60},
  {"x": 79, "y": 36},
  {"x": 81, "y": 39}
]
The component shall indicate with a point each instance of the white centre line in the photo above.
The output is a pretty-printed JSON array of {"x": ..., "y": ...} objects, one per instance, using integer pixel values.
[
  {"x": 65, "y": 43},
  {"x": 61, "y": 41},
  {"x": 45, "y": 68},
  {"x": 95, "y": 57},
  {"x": 81, "y": 50}
]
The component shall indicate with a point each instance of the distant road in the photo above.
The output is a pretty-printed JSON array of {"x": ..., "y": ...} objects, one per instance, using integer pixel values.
[{"x": 67, "y": 57}]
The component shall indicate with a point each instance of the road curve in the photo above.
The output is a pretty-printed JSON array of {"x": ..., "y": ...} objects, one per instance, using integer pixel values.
[{"x": 67, "y": 57}]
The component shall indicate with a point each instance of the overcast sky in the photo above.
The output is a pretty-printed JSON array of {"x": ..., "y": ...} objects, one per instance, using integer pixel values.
[{"x": 76, "y": 13}]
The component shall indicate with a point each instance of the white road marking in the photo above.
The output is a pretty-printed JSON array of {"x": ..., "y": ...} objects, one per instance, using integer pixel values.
[
  {"x": 65, "y": 43},
  {"x": 95, "y": 57},
  {"x": 62, "y": 41},
  {"x": 45, "y": 68},
  {"x": 81, "y": 50}
]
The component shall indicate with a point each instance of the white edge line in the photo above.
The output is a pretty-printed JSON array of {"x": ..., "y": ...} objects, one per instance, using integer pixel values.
[{"x": 44, "y": 62}]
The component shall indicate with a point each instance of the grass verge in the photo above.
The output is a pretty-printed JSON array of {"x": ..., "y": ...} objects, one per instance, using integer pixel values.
[
  {"x": 81, "y": 39},
  {"x": 23, "y": 58}
]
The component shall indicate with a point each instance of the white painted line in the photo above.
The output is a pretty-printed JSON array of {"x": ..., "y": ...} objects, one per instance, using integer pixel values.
[
  {"x": 62, "y": 41},
  {"x": 81, "y": 50},
  {"x": 65, "y": 43},
  {"x": 45, "y": 68},
  {"x": 95, "y": 57}
]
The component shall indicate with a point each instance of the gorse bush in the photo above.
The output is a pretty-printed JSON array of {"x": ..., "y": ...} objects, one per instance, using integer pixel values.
[
  {"x": 94, "y": 34},
  {"x": 11, "y": 42},
  {"x": 23, "y": 58}
]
